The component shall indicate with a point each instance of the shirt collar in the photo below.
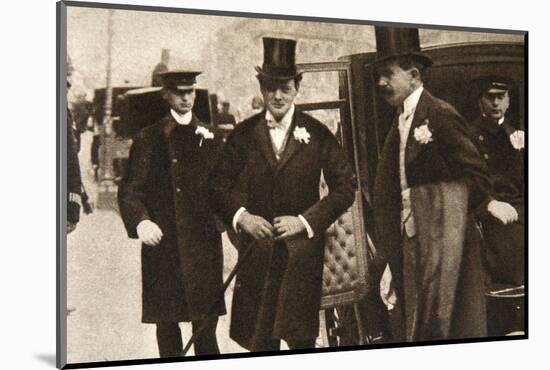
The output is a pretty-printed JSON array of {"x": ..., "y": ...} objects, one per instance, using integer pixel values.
[
  {"x": 499, "y": 122},
  {"x": 285, "y": 121},
  {"x": 182, "y": 119},
  {"x": 410, "y": 103}
]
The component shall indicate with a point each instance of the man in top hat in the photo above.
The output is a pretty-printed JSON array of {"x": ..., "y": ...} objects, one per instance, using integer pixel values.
[
  {"x": 430, "y": 175},
  {"x": 164, "y": 202},
  {"x": 500, "y": 142},
  {"x": 266, "y": 188}
]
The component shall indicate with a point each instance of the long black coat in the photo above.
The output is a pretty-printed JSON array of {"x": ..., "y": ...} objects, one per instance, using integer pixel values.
[
  {"x": 447, "y": 178},
  {"x": 74, "y": 181},
  {"x": 278, "y": 289},
  {"x": 504, "y": 244},
  {"x": 166, "y": 183}
]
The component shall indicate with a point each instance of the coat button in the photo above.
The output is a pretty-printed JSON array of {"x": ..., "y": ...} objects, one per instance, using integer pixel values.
[
  {"x": 486, "y": 156},
  {"x": 481, "y": 138},
  {"x": 174, "y": 160},
  {"x": 178, "y": 190}
]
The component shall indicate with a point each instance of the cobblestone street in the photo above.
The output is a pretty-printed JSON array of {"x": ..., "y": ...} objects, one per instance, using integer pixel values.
[{"x": 104, "y": 288}]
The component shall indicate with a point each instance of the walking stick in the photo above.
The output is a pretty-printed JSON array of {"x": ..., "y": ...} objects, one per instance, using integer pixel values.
[{"x": 226, "y": 284}]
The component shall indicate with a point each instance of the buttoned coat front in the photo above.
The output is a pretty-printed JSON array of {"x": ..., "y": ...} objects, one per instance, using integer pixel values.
[
  {"x": 278, "y": 287},
  {"x": 504, "y": 244},
  {"x": 447, "y": 178},
  {"x": 166, "y": 183}
]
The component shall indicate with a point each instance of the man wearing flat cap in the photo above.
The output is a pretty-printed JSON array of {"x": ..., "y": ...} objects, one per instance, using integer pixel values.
[
  {"x": 266, "y": 188},
  {"x": 164, "y": 202},
  {"x": 500, "y": 142},
  {"x": 429, "y": 178}
]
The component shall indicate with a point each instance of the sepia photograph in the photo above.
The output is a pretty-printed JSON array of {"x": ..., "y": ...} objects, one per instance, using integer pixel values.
[{"x": 237, "y": 184}]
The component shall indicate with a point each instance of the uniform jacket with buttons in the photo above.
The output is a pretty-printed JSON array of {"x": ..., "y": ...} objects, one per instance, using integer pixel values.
[
  {"x": 505, "y": 163},
  {"x": 166, "y": 183},
  {"x": 249, "y": 175}
]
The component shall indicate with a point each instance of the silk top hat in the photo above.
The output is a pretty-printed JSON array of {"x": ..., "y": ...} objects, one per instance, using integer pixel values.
[
  {"x": 492, "y": 84},
  {"x": 279, "y": 59},
  {"x": 179, "y": 80},
  {"x": 392, "y": 42}
]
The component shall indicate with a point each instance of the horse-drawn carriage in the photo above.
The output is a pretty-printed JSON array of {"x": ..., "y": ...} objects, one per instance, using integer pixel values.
[{"x": 352, "y": 310}]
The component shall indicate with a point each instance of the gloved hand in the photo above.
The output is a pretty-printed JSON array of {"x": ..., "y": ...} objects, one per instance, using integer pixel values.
[
  {"x": 149, "y": 232},
  {"x": 255, "y": 226},
  {"x": 288, "y": 226},
  {"x": 517, "y": 138},
  {"x": 503, "y": 211}
]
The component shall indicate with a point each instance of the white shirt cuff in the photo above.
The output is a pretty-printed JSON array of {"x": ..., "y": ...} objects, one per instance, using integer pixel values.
[
  {"x": 76, "y": 198},
  {"x": 310, "y": 233},
  {"x": 236, "y": 218}
]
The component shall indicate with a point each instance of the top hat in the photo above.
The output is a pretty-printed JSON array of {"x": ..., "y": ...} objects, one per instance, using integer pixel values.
[
  {"x": 392, "y": 43},
  {"x": 178, "y": 80},
  {"x": 279, "y": 59},
  {"x": 492, "y": 84}
]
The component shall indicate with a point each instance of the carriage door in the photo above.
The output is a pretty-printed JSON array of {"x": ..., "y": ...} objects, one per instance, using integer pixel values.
[{"x": 325, "y": 94}]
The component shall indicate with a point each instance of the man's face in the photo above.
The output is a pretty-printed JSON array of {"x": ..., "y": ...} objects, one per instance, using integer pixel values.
[
  {"x": 180, "y": 100},
  {"x": 278, "y": 96},
  {"x": 494, "y": 104},
  {"x": 394, "y": 83}
]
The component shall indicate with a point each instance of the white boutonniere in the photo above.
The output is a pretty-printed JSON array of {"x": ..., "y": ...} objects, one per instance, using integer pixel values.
[
  {"x": 517, "y": 138},
  {"x": 301, "y": 135},
  {"x": 422, "y": 133},
  {"x": 204, "y": 133}
]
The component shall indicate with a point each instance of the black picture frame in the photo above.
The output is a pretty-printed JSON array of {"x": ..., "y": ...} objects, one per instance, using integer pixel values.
[{"x": 62, "y": 145}]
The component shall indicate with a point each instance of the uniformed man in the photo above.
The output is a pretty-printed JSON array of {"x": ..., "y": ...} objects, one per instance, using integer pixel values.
[
  {"x": 501, "y": 143},
  {"x": 74, "y": 181},
  {"x": 163, "y": 202},
  {"x": 76, "y": 194}
]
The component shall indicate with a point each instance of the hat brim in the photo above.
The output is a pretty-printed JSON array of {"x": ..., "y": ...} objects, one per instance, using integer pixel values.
[
  {"x": 493, "y": 83},
  {"x": 423, "y": 59},
  {"x": 495, "y": 90},
  {"x": 281, "y": 77},
  {"x": 180, "y": 87},
  {"x": 185, "y": 87}
]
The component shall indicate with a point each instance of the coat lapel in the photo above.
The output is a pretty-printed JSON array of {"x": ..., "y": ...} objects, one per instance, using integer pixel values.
[
  {"x": 292, "y": 145},
  {"x": 261, "y": 133},
  {"x": 414, "y": 148},
  {"x": 508, "y": 127},
  {"x": 169, "y": 124},
  {"x": 174, "y": 148}
]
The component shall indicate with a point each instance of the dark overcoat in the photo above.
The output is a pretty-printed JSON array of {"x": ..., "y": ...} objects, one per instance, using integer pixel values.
[
  {"x": 74, "y": 181},
  {"x": 448, "y": 178},
  {"x": 166, "y": 183},
  {"x": 278, "y": 288},
  {"x": 504, "y": 244}
]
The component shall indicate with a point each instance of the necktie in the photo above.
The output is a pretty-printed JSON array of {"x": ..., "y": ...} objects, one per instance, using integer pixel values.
[
  {"x": 275, "y": 124},
  {"x": 403, "y": 119}
]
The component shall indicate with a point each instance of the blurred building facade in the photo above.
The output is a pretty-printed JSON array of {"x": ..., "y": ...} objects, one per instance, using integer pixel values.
[{"x": 235, "y": 50}]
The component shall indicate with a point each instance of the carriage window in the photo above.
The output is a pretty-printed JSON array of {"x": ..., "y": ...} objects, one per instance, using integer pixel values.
[
  {"x": 321, "y": 96},
  {"x": 318, "y": 86}
]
